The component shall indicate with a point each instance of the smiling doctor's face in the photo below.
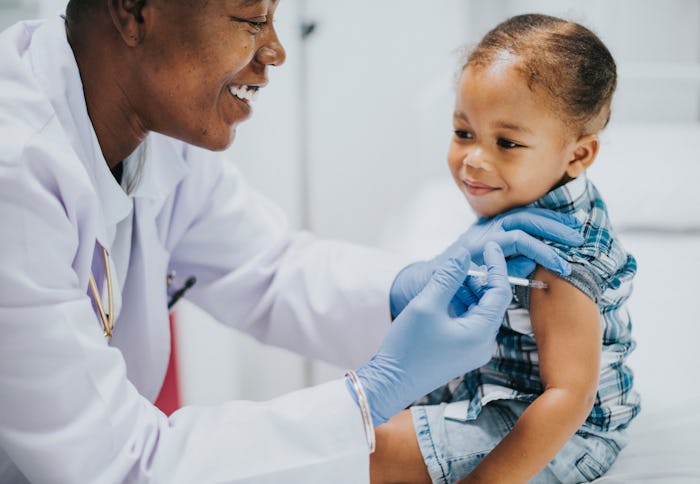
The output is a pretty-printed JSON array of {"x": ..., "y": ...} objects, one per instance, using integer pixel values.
[{"x": 198, "y": 64}]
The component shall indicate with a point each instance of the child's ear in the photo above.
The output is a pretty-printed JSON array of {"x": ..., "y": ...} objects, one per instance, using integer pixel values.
[{"x": 583, "y": 155}]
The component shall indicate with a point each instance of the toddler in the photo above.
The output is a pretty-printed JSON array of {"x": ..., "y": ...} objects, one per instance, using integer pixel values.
[{"x": 553, "y": 402}]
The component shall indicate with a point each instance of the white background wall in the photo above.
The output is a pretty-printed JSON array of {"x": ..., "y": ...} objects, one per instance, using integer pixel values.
[{"x": 359, "y": 118}]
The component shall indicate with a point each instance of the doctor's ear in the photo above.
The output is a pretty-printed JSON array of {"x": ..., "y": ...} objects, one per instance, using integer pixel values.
[
  {"x": 583, "y": 155},
  {"x": 128, "y": 19}
]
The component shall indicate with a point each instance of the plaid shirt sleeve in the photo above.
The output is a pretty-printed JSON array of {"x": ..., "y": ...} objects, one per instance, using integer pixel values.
[{"x": 601, "y": 269}]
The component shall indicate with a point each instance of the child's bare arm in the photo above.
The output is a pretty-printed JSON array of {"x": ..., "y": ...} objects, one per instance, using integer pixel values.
[
  {"x": 566, "y": 324},
  {"x": 398, "y": 458}
]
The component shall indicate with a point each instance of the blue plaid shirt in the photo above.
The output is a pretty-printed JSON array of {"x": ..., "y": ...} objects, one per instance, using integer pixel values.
[{"x": 603, "y": 270}]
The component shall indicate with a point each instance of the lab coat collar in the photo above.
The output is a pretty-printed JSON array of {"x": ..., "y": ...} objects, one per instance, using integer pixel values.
[
  {"x": 160, "y": 175},
  {"x": 58, "y": 74}
]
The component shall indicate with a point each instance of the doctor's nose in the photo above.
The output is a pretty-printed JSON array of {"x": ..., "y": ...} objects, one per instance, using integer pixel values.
[{"x": 272, "y": 52}]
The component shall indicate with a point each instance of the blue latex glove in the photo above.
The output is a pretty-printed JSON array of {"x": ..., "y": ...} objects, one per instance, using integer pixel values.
[
  {"x": 516, "y": 231},
  {"x": 428, "y": 345}
]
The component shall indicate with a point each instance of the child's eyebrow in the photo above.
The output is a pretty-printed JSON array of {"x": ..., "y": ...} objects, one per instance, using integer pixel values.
[{"x": 512, "y": 127}]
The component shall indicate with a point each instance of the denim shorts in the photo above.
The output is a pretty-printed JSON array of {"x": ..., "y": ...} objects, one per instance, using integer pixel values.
[{"x": 452, "y": 447}]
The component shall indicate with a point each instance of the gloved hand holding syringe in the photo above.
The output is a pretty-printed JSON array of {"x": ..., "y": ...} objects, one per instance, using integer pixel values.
[{"x": 515, "y": 281}]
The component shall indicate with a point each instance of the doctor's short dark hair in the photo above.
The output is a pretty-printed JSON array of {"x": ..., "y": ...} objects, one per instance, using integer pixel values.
[
  {"x": 572, "y": 65},
  {"x": 77, "y": 10}
]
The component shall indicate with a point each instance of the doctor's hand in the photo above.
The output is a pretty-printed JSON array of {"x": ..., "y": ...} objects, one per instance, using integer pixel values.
[
  {"x": 428, "y": 344},
  {"x": 516, "y": 232}
]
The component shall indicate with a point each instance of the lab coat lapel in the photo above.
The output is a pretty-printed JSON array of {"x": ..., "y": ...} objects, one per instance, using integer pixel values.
[
  {"x": 142, "y": 328},
  {"x": 143, "y": 331},
  {"x": 57, "y": 72}
]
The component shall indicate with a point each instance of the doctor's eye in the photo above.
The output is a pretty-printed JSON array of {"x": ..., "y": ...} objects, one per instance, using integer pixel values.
[
  {"x": 463, "y": 134},
  {"x": 256, "y": 25},
  {"x": 508, "y": 144}
]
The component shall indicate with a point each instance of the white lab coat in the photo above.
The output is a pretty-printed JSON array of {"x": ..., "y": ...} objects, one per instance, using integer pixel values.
[{"x": 77, "y": 408}]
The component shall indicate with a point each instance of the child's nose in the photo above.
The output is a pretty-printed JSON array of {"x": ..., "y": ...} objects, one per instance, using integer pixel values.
[{"x": 477, "y": 158}]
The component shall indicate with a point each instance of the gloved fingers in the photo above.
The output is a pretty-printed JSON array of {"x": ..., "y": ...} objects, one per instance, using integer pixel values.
[
  {"x": 452, "y": 250},
  {"x": 539, "y": 222},
  {"x": 447, "y": 279},
  {"x": 527, "y": 212},
  {"x": 517, "y": 242},
  {"x": 471, "y": 290},
  {"x": 408, "y": 282},
  {"x": 477, "y": 284},
  {"x": 456, "y": 308},
  {"x": 496, "y": 265},
  {"x": 464, "y": 298},
  {"x": 492, "y": 305},
  {"x": 520, "y": 266}
]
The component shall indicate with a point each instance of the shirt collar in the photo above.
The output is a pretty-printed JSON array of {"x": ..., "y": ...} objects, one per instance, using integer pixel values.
[
  {"x": 162, "y": 170},
  {"x": 572, "y": 197}
]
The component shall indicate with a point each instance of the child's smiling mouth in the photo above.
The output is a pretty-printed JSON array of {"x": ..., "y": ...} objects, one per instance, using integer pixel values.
[{"x": 478, "y": 189}]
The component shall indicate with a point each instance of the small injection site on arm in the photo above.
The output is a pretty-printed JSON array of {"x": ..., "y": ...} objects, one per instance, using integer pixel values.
[{"x": 515, "y": 281}]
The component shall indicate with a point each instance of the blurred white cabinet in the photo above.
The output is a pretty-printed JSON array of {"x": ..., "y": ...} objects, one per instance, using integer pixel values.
[
  {"x": 380, "y": 76},
  {"x": 12, "y": 11}
]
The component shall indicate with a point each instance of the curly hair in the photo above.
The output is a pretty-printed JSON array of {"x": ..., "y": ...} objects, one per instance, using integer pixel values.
[{"x": 569, "y": 61}]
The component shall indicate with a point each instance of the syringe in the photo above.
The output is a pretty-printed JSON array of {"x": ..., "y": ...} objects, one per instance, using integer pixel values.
[{"x": 516, "y": 281}]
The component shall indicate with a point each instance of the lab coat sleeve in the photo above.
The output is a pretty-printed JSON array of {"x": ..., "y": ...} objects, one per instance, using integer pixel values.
[
  {"x": 68, "y": 413},
  {"x": 323, "y": 298}
]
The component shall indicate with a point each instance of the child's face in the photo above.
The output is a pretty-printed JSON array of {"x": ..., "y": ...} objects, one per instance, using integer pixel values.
[{"x": 508, "y": 148}]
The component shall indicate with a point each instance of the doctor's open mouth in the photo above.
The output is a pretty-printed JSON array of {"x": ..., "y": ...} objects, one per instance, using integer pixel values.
[{"x": 244, "y": 92}]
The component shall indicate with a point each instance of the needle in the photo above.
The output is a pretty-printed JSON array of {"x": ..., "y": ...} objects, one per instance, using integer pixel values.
[{"x": 516, "y": 281}]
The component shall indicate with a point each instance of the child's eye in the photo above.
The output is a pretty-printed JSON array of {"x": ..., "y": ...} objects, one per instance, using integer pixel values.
[
  {"x": 504, "y": 143},
  {"x": 463, "y": 134}
]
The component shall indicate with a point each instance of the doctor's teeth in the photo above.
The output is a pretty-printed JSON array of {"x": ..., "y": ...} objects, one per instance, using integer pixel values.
[{"x": 245, "y": 93}]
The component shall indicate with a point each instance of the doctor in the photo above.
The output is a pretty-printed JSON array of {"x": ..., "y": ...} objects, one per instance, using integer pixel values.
[{"x": 109, "y": 181}]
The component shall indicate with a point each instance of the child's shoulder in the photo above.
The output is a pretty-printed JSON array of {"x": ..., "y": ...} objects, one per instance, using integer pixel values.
[{"x": 601, "y": 262}]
